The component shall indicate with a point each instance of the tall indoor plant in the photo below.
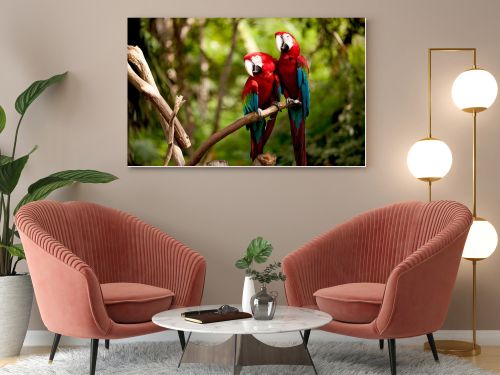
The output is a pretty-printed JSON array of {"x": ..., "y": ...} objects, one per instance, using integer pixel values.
[{"x": 16, "y": 291}]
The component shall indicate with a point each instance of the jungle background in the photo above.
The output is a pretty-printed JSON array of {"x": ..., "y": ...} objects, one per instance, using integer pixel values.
[{"x": 202, "y": 59}]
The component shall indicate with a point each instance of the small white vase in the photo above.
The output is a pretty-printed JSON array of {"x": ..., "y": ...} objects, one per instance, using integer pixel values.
[{"x": 248, "y": 292}]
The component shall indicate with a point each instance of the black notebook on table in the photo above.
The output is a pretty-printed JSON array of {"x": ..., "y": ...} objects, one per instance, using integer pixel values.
[{"x": 213, "y": 316}]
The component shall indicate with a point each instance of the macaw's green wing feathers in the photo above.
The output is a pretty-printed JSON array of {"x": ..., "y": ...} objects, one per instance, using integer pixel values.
[{"x": 250, "y": 103}]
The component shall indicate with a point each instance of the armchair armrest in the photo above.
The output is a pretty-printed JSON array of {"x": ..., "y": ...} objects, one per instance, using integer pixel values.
[
  {"x": 67, "y": 290},
  {"x": 419, "y": 289}
]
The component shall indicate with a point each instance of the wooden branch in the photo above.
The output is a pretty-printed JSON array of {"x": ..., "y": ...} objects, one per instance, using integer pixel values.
[
  {"x": 179, "y": 101},
  {"x": 223, "y": 133},
  {"x": 154, "y": 97},
  {"x": 148, "y": 88}
]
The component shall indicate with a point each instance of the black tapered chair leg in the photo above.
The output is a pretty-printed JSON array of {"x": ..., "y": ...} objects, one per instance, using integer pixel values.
[
  {"x": 307, "y": 333},
  {"x": 182, "y": 339},
  {"x": 392, "y": 355},
  {"x": 381, "y": 344},
  {"x": 94, "y": 346},
  {"x": 55, "y": 344},
  {"x": 432, "y": 344},
  {"x": 106, "y": 344}
]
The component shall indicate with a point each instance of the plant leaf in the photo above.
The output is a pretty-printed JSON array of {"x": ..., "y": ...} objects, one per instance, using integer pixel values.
[
  {"x": 43, "y": 187},
  {"x": 29, "y": 95},
  {"x": 15, "y": 250},
  {"x": 3, "y": 119},
  {"x": 4, "y": 159},
  {"x": 242, "y": 264},
  {"x": 10, "y": 172},
  {"x": 75, "y": 175}
]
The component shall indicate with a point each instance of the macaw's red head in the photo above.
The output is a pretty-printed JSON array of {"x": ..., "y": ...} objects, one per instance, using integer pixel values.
[
  {"x": 286, "y": 43},
  {"x": 258, "y": 62}
]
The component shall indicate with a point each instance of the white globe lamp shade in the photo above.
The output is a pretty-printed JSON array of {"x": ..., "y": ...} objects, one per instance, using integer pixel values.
[
  {"x": 474, "y": 90},
  {"x": 429, "y": 159},
  {"x": 481, "y": 241}
]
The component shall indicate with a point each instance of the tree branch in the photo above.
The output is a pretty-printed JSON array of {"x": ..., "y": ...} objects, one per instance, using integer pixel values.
[
  {"x": 223, "y": 133},
  {"x": 179, "y": 101},
  {"x": 147, "y": 86}
]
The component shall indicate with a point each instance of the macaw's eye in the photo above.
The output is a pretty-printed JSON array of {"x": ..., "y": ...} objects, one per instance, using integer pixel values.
[
  {"x": 288, "y": 40},
  {"x": 257, "y": 60}
]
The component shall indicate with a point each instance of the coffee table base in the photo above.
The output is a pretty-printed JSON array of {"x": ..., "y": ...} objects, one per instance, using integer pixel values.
[{"x": 246, "y": 350}]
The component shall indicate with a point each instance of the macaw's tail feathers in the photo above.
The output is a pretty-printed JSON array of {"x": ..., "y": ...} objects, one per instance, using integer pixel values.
[
  {"x": 256, "y": 143},
  {"x": 298, "y": 132},
  {"x": 296, "y": 114}
]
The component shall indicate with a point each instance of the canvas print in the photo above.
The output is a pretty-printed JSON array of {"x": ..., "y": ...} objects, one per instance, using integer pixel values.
[{"x": 246, "y": 92}]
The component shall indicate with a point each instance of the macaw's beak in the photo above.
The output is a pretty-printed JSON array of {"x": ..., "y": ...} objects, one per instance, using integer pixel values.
[
  {"x": 249, "y": 67},
  {"x": 285, "y": 47},
  {"x": 256, "y": 69}
]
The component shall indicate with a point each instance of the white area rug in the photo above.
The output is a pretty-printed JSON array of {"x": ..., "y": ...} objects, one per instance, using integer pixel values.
[{"x": 161, "y": 358}]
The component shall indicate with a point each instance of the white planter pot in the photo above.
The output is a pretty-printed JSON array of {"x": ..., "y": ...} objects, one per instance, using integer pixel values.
[
  {"x": 248, "y": 292},
  {"x": 16, "y": 298}
]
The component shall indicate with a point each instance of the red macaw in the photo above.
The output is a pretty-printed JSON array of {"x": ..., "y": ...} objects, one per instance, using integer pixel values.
[
  {"x": 293, "y": 72},
  {"x": 261, "y": 90}
]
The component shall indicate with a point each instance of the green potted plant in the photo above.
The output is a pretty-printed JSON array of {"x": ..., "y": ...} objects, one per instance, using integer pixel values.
[
  {"x": 259, "y": 250},
  {"x": 16, "y": 291}
]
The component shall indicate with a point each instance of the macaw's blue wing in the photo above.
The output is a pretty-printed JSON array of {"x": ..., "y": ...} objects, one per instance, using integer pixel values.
[
  {"x": 299, "y": 114},
  {"x": 251, "y": 104}
]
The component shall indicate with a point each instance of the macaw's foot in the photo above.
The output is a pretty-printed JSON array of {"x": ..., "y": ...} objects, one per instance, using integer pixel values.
[
  {"x": 290, "y": 101},
  {"x": 259, "y": 112}
]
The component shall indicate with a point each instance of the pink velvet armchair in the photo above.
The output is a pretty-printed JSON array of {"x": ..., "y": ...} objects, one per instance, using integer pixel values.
[
  {"x": 385, "y": 274},
  {"x": 99, "y": 273}
]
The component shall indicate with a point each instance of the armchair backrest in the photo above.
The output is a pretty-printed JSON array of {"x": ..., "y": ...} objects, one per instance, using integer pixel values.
[
  {"x": 368, "y": 247},
  {"x": 386, "y": 236},
  {"x": 94, "y": 233}
]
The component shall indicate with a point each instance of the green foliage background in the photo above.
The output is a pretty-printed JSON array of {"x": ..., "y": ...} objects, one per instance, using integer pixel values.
[{"x": 187, "y": 56}]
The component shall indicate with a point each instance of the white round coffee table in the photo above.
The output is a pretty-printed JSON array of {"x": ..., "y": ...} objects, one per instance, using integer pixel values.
[{"x": 242, "y": 348}]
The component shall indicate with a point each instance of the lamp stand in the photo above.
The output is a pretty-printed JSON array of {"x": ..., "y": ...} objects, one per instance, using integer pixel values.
[{"x": 456, "y": 347}]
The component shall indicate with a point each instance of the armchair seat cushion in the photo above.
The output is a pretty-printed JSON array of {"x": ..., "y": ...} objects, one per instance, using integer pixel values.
[
  {"x": 135, "y": 303},
  {"x": 351, "y": 303}
]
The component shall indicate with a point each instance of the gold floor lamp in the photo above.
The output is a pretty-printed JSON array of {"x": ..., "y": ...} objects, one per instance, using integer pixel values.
[{"x": 430, "y": 159}]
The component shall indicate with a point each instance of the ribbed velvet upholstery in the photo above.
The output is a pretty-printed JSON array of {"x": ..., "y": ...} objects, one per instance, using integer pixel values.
[
  {"x": 73, "y": 247},
  {"x": 412, "y": 247}
]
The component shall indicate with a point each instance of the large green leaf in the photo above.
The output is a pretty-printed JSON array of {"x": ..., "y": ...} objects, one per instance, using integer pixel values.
[
  {"x": 259, "y": 250},
  {"x": 15, "y": 250},
  {"x": 31, "y": 93},
  {"x": 3, "y": 119},
  {"x": 76, "y": 175},
  {"x": 10, "y": 172},
  {"x": 43, "y": 187}
]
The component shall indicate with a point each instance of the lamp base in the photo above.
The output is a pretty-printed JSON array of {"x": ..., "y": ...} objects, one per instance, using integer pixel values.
[{"x": 456, "y": 348}]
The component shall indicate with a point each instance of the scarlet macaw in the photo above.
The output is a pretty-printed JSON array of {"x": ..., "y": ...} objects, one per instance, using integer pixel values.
[
  {"x": 261, "y": 90},
  {"x": 293, "y": 72}
]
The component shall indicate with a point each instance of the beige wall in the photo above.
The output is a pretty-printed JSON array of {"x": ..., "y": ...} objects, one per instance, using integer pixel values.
[{"x": 82, "y": 124}]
